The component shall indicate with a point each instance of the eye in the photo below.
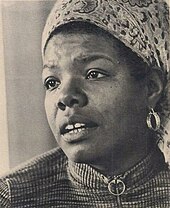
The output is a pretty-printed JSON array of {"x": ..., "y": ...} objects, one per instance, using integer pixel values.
[
  {"x": 51, "y": 83},
  {"x": 94, "y": 74}
]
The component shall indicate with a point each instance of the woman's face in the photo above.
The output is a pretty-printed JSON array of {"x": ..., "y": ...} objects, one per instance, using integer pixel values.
[{"x": 94, "y": 106}]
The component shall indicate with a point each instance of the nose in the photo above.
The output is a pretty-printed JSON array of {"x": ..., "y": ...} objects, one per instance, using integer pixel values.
[{"x": 72, "y": 96}]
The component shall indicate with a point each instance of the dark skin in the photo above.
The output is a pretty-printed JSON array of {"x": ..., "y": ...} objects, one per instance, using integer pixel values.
[{"x": 88, "y": 81}]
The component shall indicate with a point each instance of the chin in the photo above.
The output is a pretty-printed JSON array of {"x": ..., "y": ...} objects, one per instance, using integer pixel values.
[{"x": 79, "y": 155}]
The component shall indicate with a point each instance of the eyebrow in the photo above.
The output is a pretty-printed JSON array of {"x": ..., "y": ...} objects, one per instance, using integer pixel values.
[
  {"x": 85, "y": 58},
  {"x": 91, "y": 57},
  {"x": 50, "y": 66}
]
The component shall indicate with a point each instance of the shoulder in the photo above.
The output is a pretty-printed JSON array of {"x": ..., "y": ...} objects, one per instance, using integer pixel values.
[
  {"x": 160, "y": 181},
  {"x": 42, "y": 165},
  {"x": 163, "y": 177},
  {"x": 162, "y": 171},
  {"x": 162, "y": 187},
  {"x": 159, "y": 187},
  {"x": 47, "y": 167}
]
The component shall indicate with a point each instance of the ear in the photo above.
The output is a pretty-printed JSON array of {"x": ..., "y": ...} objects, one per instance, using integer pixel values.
[{"x": 155, "y": 87}]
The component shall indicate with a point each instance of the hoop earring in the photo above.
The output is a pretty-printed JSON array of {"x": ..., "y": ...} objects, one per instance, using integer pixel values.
[{"x": 153, "y": 120}]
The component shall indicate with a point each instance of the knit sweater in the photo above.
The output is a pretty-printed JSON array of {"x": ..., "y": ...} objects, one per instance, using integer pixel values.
[{"x": 51, "y": 180}]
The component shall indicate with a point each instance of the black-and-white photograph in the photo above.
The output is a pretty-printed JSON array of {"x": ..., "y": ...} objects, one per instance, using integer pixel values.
[{"x": 85, "y": 103}]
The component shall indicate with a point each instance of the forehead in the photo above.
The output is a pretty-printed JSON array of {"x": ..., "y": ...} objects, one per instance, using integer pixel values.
[
  {"x": 79, "y": 45},
  {"x": 77, "y": 39}
]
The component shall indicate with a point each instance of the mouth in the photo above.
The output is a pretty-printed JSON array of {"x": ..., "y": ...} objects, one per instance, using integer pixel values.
[{"x": 77, "y": 130}]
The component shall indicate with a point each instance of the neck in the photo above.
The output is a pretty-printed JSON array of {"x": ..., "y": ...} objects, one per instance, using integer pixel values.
[{"x": 124, "y": 157}]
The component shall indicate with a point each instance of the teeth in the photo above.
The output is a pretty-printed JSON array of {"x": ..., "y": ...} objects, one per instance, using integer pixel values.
[
  {"x": 75, "y": 131},
  {"x": 69, "y": 127},
  {"x": 78, "y": 125},
  {"x": 75, "y": 128}
]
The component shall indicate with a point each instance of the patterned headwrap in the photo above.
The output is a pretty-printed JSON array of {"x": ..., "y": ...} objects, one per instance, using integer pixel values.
[{"x": 142, "y": 25}]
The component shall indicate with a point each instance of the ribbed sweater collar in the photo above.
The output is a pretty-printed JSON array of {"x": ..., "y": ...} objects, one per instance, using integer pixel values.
[{"x": 86, "y": 176}]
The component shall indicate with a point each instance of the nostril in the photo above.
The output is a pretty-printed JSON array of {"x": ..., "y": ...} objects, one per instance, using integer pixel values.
[
  {"x": 61, "y": 106},
  {"x": 73, "y": 102}
]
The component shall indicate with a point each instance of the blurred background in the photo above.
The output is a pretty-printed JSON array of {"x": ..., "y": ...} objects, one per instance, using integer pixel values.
[{"x": 24, "y": 129}]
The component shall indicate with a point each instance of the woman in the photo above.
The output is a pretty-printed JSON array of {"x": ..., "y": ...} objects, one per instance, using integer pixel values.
[{"x": 105, "y": 71}]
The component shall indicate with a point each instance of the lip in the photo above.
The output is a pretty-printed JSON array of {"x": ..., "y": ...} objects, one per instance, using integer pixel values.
[{"x": 90, "y": 126}]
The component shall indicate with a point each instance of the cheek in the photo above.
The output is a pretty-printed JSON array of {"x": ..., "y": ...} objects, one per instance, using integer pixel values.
[
  {"x": 51, "y": 110},
  {"x": 106, "y": 102},
  {"x": 105, "y": 98},
  {"x": 118, "y": 104}
]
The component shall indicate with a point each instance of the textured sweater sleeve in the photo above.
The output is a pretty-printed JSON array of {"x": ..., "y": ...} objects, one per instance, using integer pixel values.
[{"x": 4, "y": 194}]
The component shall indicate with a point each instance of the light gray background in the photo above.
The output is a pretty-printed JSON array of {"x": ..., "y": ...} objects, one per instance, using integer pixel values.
[{"x": 28, "y": 131}]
